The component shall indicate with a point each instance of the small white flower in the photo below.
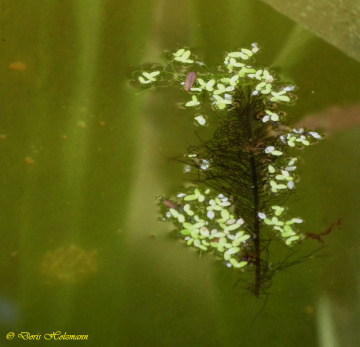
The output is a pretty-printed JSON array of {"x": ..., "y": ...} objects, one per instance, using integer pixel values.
[
  {"x": 269, "y": 149},
  {"x": 261, "y": 215},
  {"x": 269, "y": 79},
  {"x": 187, "y": 168},
  {"x": 272, "y": 115},
  {"x": 255, "y": 47},
  {"x": 210, "y": 214},
  {"x": 289, "y": 88},
  {"x": 315, "y": 135},
  {"x": 204, "y": 164}
]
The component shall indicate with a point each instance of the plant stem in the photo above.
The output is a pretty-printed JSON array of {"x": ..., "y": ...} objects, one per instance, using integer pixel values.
[{"x": 256, "y": 224}]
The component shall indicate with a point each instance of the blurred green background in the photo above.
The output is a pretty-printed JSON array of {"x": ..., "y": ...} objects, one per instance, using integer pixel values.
[{"x": 82, "y": 159}]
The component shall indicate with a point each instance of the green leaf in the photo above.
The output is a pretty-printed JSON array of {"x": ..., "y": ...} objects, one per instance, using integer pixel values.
[
  {"x": 233, "y": 80},
  {"x": 225, "y": 214},
  {"x": 268, "y": 221},
  {"x": 242, "y": 264},
  {"x": 201, "y": 198},
  {"x": 234, "y": 262},
  {"x": 201, "y": 82},
  {"x": 148, "y": 76},
  {"x": 273, "y": 183},
  {"x": 143, "y": 81},
  {"x": 247, "y": 70},
  {"x": 185, "y": 232},
  {"x": 186, "y": 55},
  {"x": 267, "y": 89},
  {"x": 209, "y": 85},
  {"x": 284, "y": 98},
  {"x": 193, "y": 102},
  {"x": 219, "y": 234},
  {"x": 288, "y": 228},
  {"x": 243, "y": 238},
  {"x": 197, "y": 243},
  {"x": 291, "y": 239},
  {"x": 247, "y": 52},
  {"x": 233, "y": 250},
  {"x": 174, "y": 212},
  {"x": 181, "y": 218},
  {"x": 155, "y": 73},
  {"x": 198, "y": 225},
  {"x": 179, "y": 52},
  {"x": 222, "y": 240},
  {"x": 234, "y": 55},
  {"x": 260, "y": 85},
  {"x": 271, "y": 169},
  {"x": 233, "y": 227},
  {"x": 235, "y": 63},
  {"x": 188, "y": 226},
  {"x": 291, "y": 142},
  {"x": 278, "y": 210},
  {"x": 195, "y": 233},
  {"x": 244, "y": 56}
]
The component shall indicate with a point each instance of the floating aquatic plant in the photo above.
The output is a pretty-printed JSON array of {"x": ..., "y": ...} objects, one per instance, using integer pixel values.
[{"x": 242, "y": 176}]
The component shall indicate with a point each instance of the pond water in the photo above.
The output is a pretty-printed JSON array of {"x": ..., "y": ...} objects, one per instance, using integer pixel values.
[{"x": 83, "y": 158}]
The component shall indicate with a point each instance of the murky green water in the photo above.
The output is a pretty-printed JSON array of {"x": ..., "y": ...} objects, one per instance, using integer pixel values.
[{"x": 83, "y": 158}]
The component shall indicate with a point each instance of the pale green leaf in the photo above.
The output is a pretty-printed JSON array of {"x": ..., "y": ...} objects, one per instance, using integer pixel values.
[
  {"x": 179, "y": 52},
  {"x": 233, "y": 250}
]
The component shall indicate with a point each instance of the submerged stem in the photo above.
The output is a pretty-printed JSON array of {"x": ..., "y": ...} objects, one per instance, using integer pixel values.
[
  {"x": 256, "y": 225},
  {"x": 249, "y": 116}
]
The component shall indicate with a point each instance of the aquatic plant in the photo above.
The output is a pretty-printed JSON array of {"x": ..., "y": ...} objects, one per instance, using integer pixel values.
[{"x": 242, "y": 176}]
